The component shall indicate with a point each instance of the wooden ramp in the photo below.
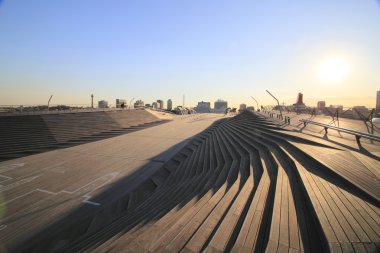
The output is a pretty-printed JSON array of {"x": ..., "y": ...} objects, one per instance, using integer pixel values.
[
  {"x": 243, "y": 185},
  {"x": 23, "y": 135}
]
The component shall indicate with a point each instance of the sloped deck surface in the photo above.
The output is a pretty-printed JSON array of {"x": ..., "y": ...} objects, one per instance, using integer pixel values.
[
  {"x": 22, "y": 135},
  {"x": 242, "y": 185}
]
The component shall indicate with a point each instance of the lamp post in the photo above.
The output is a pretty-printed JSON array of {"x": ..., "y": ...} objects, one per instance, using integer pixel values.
[
  {"x": 49, "y": 101},
  {"x": 256, "y": 103},
  {"x": 278, "y": 103}
]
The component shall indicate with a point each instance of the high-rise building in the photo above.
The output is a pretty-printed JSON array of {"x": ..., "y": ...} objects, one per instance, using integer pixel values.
[
  {"x": 220, "y": 106},
  {"x": 203, "y": 107},
  {"x": 154, "y": 105},
  {"x": 160, "y": 104},
  {"x": 103, "y": 104},
  {"x": 170, "y": 105},
  {"x": 300, "y": 99},
  {"x": 120, "y": 102},
  {"x": 378, "y": 102},
  {"x": 299, "y": 103},
  {"x": 321, "y": 105},
  {"x": 299, "y": 106},
  {"x": 242, "y": 107}
]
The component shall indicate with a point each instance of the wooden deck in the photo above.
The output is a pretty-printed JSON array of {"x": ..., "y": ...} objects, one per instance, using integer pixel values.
[
  {"x": 244, "y": 184},
  {"x": 22, "y": 135}
]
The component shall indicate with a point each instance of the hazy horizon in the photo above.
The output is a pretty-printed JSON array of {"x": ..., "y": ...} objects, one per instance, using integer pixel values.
[{"x": 149, "y": 50}]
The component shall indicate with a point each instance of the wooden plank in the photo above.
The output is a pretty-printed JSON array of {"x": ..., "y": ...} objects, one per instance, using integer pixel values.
[
  {"x": 361, "y": 226},
  {"x": 317, "y": 201},
  {"x": 248, "y": 234},
  {"x": 359, "y": 247},
  {"x": 370, "y": 163},
  {"x": 153, "y": 229},
  {"x": 366, "y": 213},
  {"x": 274, "y": 236},
  {"x": 226, "y": 228},
  {"x": 295, "y": 241},
  {"x": 191, "y": 224},
  {"x": 371, "y": 247},
  {"x": 341, "y": 220},
  {"x": 357, "y": 229},
  {"x": 284, "y": 220},
  {"x": 353, "y": 170},
  {"x": 165, "y": 201},
  {"x": 206, "y": 225}
]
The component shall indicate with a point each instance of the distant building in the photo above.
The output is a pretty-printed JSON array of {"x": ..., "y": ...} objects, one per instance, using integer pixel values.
[
  {"x": 147, "y": 105},
  {"x": 203, "y": 107},
  {"x": 251, "y": 108},
  {"x": 182, "y": 111},
  {"x": 321, "y": 105},
  {"x": 139, "y": 104},
  {"x": 378, "y": 102},
  {"x": 360, "y": 112},
  {"x": 160, "y": 104},
  {"x": 299, "y": 105},
  {"x": 243, "y": 107},
  {"x": 119, "y": 102},
  {"x": 170, "y": 105},
  {"x": 154, "y": 105},
  {"x": 340, "y": 107},
  {"x": 102, "y": 104},
  {"x": 220, "y": 106},
  {"x": 333, "y": 109}
]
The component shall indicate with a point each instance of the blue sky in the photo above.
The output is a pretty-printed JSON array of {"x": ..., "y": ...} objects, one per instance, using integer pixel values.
[{"x": 205, "y": 49}]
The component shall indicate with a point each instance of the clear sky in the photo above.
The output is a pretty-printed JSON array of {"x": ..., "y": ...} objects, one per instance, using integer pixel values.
[{"x": 206, "y": 49}]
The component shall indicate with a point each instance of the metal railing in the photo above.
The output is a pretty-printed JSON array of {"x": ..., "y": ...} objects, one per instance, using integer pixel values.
[{"x": 358, "y": 135}]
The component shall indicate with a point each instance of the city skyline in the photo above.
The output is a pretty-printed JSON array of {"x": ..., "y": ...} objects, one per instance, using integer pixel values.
[
  {"x": 205, "y": 50},
  {"x": 112, "y": 102}
]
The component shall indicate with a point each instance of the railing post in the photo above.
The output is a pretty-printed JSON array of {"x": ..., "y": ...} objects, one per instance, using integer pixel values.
[{"x": 358, "y": 140}]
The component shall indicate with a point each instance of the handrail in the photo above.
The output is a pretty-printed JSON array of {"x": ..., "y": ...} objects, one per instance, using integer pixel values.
[{"x": 357, "y": 134}]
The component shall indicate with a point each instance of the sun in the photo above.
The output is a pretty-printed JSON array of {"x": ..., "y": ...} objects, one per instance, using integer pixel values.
[{"x": 333, "y": 70}]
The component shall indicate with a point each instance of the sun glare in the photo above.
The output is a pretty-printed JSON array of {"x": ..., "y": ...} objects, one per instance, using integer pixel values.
[{"x": 333, "y": 70}]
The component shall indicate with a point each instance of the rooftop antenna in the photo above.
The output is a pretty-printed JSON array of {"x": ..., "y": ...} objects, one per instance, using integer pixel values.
[
  {"x": 92, "y": 101},
  {"x": 278, "y": 103},
  {"x": 49, "y": 101}
]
